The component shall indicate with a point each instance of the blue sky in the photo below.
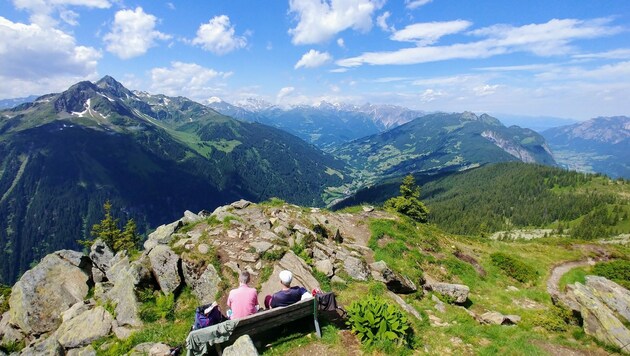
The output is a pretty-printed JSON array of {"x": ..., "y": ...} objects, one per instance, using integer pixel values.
[{"x": 553, "y": 58}]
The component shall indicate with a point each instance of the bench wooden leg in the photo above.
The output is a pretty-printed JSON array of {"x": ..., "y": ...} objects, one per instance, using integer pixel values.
[{"x": 218, "y": 348}]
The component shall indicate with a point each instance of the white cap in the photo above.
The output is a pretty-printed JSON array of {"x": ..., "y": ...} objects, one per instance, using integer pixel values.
[{"x": 286, "y": 277}]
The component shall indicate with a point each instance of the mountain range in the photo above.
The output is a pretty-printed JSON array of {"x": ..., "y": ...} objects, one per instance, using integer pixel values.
[{"x": 599, "y": 145}]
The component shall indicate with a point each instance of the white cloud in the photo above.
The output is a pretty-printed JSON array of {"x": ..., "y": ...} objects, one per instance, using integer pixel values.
[
  {"x": 42, "y": 12},
  {"x": 312, "y": 59},
  {"x": 547, "y": 39},
  {"x": 486, "y": 89},
  {"x": 284, "y": 92},
  {"x": 381, "y": 21},
  {"x": 429, "y": 32},
  {"x": 341, "y": 43},
  {"x": 133, "y": 33},
  {"x": 320, "y": 20},
  {"x": 40, "y": 60},
  {"x": 413, "y": 4},
  {"x": 430, "y": 95},
  {"x": 188, "y": 79},
  {"x": 218, "y": 36},
  {"x": 621, "y": 53},
  {"x": 338, "y": 70}
]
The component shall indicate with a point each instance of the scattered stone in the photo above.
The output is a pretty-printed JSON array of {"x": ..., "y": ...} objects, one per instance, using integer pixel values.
[
  {"x": 205, "y": 285},
  {"x": 368, "y": 208},
  {"x": 356, "y": 268},
  {"x": 439, "y": 305},
  {"x": 458, "y": 292},
  {"x": 190, "y": 217},
  {"x": 497, "y": 318},
  {"x": 512, "y": 289},
  {"x": 243, "y": 346},
  {"x": 44, "y": 292},
  {"x": 164, "y": 263},
  {"x": 85, "y": 328},
  {"x": 203, "y": 248},
  {"x": 261, "y": 246},
  {"x": 233, "y": 266},
  {"x": 436, "y": 321},
  {"x": 527, "y": 303},
  {"x": 122, "y": 332},
  {"x": 325, "y": 267},
  {"x": 248, "y": 257},
  {"x": 162, "y": 235},
  {"x": 241, "y": 204},
  {"x": 337, "y": 279}
]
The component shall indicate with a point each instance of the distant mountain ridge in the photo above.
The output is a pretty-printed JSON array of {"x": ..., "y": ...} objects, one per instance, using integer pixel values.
[
  {"x": 597, "y": 145},
  {"x": 323, "y": 124},
  {"x": 63, "y": 155},
  {"x": 9, "y": 103}
]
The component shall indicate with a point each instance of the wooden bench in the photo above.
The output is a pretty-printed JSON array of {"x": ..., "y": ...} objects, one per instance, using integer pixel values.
[{"x": 273, "y": 318}]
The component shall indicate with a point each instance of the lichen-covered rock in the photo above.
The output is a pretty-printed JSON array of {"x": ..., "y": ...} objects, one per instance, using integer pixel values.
[
  {"x": 47, "y": 347},
  {"x": 497, "y": 318},
  {"x": 394, "y": 282},
  {"x": 190, "y": 217},
  {"x": 325, "y": 267},
  {"x": 301, "y": 276},
  {"x": 598, "y": 320},
  {"x": 457, "y": 292},
  {"x": 164, "y": 264},
  {"x": 204, "y": 282},
  {"x": 261, "y": 246},
  {"x": 151, "y": 349},
  {"x": 9, "y": 334},
  {"x": 85, "y": 328},
  {"x": 162, "y": 235},
  {"x": 241, "y": 204},
  {"x": 356, "y": 268},
  {"x": 84, "y": 351},
  {"x": 243, "y": 346},
  {"x": 612, "y": 294},
  {"x": 44, "y": 292},
  {"x": 101, "y": 255}
]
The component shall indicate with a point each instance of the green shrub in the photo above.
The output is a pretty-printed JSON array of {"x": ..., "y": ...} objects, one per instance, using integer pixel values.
[
  {"x": 273, "y": 254},
  {"x": 376, "y": 322},
  {"x": 5, "y": 293},
  {"x": 554, "y": 319},
  {"x": 12, "y": 346},
  {"x": 617, "y": 271},
  {"x": 156, "y": 306},
  {"x": 514, "y": 267}
]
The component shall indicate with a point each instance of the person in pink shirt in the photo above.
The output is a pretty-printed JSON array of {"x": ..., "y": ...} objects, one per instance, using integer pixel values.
[{"x": 243, "y": 300}]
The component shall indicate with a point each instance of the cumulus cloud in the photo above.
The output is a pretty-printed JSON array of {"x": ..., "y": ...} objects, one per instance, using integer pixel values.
[
  {"x": 414, "y": 4},
  {"x": 312, "y": 59},
  {"x": 381, "y": 22},
  {"x": 41, "y": 59},
  {"x": 427, "y": 33},
  {"x": 44, "y": 12},
  {"x": 188, "y": 79},
  {"x": 319, "y": 21},
  {"x": 430, "y": 95},
  {"x": 341, "y": 43},
  {"x": 133, "y": 33},
  {"x": 218, "y": 36},
  {"x": 284, "y": 92},
  {"x": 546, "y": 39}
]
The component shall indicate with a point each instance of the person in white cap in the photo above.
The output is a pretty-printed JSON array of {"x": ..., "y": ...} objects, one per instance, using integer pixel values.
[{"x": 288, "y": 295}]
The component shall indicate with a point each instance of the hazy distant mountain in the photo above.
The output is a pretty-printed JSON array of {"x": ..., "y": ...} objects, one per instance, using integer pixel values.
[
  {"x": 324, "y": 124},
  {"x": 64, "y": 154},
  {"x": 9, "y": 103},
  {"x": 598, "y": 145},
  {"x": 536, "y": 123},
  {"x": 442, "y": 142}
]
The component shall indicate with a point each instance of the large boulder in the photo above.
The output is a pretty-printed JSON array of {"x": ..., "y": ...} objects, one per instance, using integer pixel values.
[
  {"x": 204, "y": 281},
  {"x": 150, "y": 349},
  {"x": 302, "y": 276},
  {"x": 190, "y": 217},
  {"x": 326, "y": 267},
  {"x": 356, "y": 268},
  {"x": 165, "y": 267},
  {"x": 612, "y": 294},
  {"x": 101, "y": 255},
  {"x": 497, "y": 318},
  {"x": 84, "y": 351},
  {"x": 162, "y": 235},
  {"x": 47, "y": 290},
  {"x": 83, "y": 329},
  {"x": 598, "y": 319},
  {"x": 457, "y": 292},
  {"x": 394, "y": 282},
  {"x": 46, "y": 347},
  {"x": 243, "y": 346}
]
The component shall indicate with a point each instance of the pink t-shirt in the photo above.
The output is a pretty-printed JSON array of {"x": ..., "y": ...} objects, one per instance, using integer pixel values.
[{"x": 242, "y": 301}]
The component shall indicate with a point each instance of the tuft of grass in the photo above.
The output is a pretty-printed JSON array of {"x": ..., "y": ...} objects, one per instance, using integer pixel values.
[
  {"x": 514, "y": 267},
  {"x": 323, "y": 280},
  {"x": 577, "y": 274},
  {"x": 5, "y": 294}
]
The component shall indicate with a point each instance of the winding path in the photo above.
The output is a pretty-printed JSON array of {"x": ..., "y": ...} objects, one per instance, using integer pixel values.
[{"x": 553, "y": 283}]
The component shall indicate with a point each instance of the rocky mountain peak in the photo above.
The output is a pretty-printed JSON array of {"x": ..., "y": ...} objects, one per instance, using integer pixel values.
[{"x": 110, "y": 85}]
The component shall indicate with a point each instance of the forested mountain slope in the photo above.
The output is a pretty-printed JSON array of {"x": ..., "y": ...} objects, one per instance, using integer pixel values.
[{"x": 63, "y": 155}]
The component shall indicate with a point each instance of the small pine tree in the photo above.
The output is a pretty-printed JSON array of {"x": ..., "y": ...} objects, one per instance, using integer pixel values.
[
  {"x": 129, "y": 237},
  {"x": 107, "y": 230},
  {"x": 408, "y": 203}
]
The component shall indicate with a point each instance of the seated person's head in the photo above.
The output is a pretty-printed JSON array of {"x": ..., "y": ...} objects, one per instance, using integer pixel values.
[
  {"x": 243, "y": 277},
  {"x": 285, "y": 278}
]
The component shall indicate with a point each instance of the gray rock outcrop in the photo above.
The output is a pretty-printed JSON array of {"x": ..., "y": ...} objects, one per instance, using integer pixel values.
[
  {"x": 84, "y": 351},
  {"x": 457, "y": 292},
  {"x": 150, "y": 349},
  {"x": 356, "y": 268},
  {"x": 301, "y": 276},
  {"x": 162, "y": 235},
  {"x": 47, "y": 347},
  {"x": 497, "y": 318},
  {"x": 165, "y": 267},
  {"x": 85, "y": 328},
  {"x": 47, "y": 290},
  {"x": 325, "y": 267},
  {"x": 394, "y": 282},
  {"x": 204, "y": 282},
  {"x": 612, "y": 294},
  {"x": 243, "y": 346},
  {"x": 101, "y": 255}
]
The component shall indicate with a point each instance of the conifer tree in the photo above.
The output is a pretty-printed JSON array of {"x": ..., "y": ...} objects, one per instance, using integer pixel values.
[
  {"x": 408, "y": 203},
  {"x": 107, "y": 230}
]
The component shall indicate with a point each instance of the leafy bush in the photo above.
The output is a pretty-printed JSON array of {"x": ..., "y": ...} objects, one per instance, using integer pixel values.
[
  {"x": 617, "y": 271},
  {"x": 376, "y": 322},
  {"x": 554, "y": 320},
  {"x": 514, "y": 267},
  {"x": 156, "y": 306}
]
